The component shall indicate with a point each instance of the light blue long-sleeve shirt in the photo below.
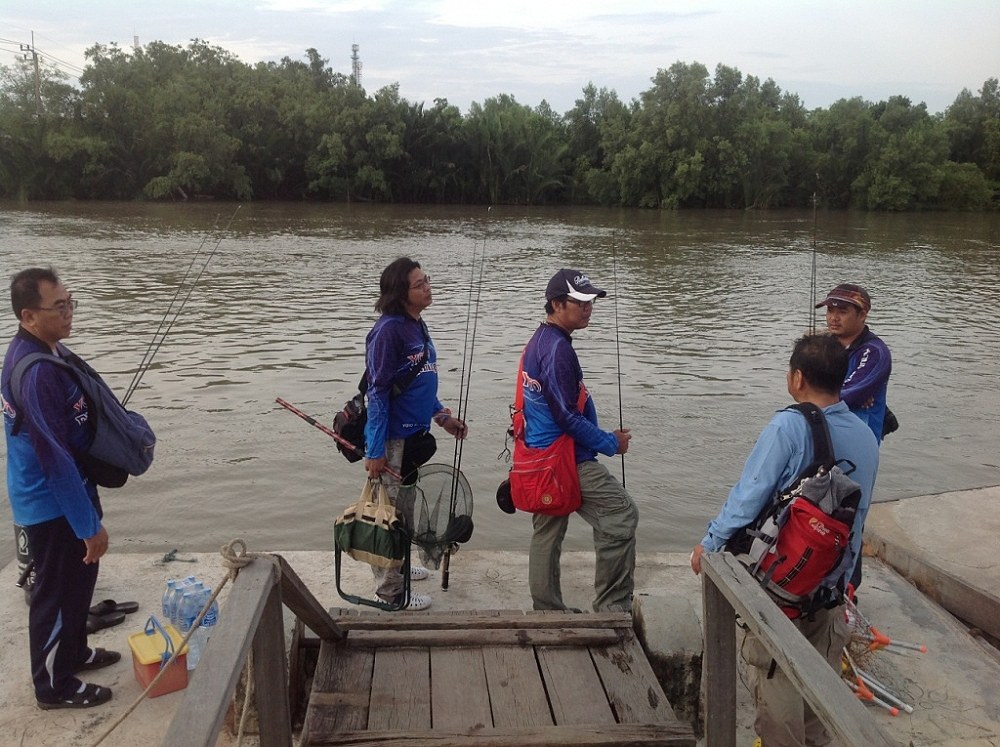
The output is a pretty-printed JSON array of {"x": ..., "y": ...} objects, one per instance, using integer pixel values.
[{"x": 783, "y": 449}]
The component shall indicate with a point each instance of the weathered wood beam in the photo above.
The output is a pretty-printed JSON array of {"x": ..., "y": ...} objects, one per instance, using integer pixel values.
[
  {"x": 474, "y": 621},
  {"x": 296, "y": 596},
  {"x": 674, "y": 734},
  {"x": 200, "y": 715},
  {"x": 483, "y": 637},
  {"x": 821, "y": 687}
]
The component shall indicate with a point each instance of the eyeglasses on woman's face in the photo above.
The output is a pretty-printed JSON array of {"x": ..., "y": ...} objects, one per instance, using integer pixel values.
[{"x": 424, "y": 282}]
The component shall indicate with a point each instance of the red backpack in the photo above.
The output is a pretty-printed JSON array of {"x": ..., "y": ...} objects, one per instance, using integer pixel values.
[{"x": 798, "y": 546}]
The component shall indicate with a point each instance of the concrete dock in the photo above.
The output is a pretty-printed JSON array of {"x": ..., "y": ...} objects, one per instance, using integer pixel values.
[{"x": 954, "y": 688}]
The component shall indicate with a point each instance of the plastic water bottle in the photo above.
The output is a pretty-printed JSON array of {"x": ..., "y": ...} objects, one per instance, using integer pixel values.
[
  {"x": 189, "y": 609},
  {"x": 182, "y": 586},
  {"x": 196, "y": 645},
  {"x": 174, "y": 603},
  {"x": 211, "y": 618},
  {"x": 165, "y": 601}
]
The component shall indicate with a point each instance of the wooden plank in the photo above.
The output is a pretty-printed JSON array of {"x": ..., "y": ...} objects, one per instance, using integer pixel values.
[
  {"x": 488, "y": 637},
  {"x": 460, "y": 699},
  {"x": 820, "y": 686},
  {"x": 296, "y": 596},
  {"x": 630, "y": 685},
  {"x": 575, "y": 691},
  {"x": 674, "y": 734},
  {"x": 340, "y": 693},
  {"x": 517, "y": 695},
  {"x": 270, "y": 675},
  {"x": 198, "y": 719},
  {"x": 401, "y": 690},
  {"x": 482, "y": 621},
  {"x": 719, "y": 666}
]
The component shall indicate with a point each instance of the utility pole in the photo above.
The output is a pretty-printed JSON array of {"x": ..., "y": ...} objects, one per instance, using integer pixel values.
[
  {"x": 38, "y": 77},
  {"x": 355, "y": 65}
]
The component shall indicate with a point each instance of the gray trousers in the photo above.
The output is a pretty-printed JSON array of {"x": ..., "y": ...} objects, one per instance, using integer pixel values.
[
  {"x": 783, "y": 718},
  {"x": 610, "y": 510},
  {"x": 388, "y": 581}
]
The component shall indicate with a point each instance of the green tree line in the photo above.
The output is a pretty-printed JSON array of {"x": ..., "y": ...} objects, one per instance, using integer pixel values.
[{"x": 168, "y": 122}]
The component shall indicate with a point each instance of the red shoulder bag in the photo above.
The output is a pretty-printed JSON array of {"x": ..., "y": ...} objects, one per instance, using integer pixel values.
[{"x": 543, "y": 481}]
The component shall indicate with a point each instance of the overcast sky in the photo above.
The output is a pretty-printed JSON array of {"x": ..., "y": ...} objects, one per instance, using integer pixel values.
[{"x": 470, "y": 50}]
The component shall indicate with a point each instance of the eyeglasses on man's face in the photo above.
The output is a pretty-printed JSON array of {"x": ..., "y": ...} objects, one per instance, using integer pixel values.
[
  {"x": 421, "y": 284},
  {"x": 63, "y": 308},
  {"x": 581, "y": 304}
]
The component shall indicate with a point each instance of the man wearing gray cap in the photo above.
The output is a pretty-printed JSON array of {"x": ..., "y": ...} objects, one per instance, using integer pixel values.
[
  {"x": 870, "y": 365},
  {"x": 556, "y": 402}
]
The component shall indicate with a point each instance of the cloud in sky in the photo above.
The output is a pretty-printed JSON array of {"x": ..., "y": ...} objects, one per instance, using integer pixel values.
[{"x": 467, "y": 51}]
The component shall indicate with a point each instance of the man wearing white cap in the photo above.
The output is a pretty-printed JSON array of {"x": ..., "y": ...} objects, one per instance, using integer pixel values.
[{"x": 553, "y": 389}]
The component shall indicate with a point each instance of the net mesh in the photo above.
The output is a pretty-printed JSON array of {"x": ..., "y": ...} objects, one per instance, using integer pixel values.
[{"x": 444, "y": 512}]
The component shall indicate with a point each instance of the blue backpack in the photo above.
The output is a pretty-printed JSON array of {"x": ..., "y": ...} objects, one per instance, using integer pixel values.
[{"x": 123, "y": 442}]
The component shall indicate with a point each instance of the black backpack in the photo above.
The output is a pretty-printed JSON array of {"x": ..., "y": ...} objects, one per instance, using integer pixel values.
[
  {"x": 122, "y": 442},
  {"x": 350, "y": 422}
]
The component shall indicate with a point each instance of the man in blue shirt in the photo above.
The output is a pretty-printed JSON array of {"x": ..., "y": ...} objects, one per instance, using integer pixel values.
[
  {"x": 870, "y": 365},
  {"x": 552, "y": 382},
  {"x": 784, "y": 449},
  {"x": 47, "y": 433}
]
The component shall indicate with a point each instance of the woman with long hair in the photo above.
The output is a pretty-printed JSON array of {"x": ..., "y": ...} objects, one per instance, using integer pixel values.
[{"x": 401, "y": 364}]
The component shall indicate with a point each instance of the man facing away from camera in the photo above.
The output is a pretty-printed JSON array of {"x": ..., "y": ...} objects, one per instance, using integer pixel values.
[{"x": 783, "y": 450}]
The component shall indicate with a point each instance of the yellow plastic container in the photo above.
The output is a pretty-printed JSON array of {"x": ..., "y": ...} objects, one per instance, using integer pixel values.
[{"x": 151, "y": 648}]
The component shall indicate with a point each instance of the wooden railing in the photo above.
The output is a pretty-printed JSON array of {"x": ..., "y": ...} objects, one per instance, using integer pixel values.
[
  {"x": 728, "y": 590},
  {"x": 252, "y": 619}
]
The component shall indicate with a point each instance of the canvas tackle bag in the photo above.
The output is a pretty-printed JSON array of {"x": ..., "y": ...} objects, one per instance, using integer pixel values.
[
  {"x": 543, "y": 481},
  {"x": 371, "y": 531},
  {"x": 798, "y": 547},
  {"x": 123, "y": 441}
]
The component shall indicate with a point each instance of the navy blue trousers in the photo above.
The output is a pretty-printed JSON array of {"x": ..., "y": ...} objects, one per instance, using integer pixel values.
[{"x": 57, "y": 620}]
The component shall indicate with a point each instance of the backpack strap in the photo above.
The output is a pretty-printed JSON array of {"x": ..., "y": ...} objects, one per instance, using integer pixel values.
[
  {"x": 822, "y": 445},
  {"x": 17, "y": 376},
  {"x": 404, "y": 383}
]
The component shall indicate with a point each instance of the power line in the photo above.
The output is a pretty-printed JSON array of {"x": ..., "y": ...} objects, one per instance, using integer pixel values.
[{"x": 29, "y": 48}]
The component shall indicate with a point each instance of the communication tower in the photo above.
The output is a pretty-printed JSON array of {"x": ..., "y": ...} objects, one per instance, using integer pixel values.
[{"x": 355, "y": 66}]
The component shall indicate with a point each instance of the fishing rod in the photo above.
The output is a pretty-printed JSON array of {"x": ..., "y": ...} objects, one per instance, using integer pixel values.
[
  {"x": 812, "y": 285},
  {"x": 339, "y": 439},
  {"x": 618, "y": 352},
  {"x": 464, "y": 389},
  {"x": 154, "y": 343}
]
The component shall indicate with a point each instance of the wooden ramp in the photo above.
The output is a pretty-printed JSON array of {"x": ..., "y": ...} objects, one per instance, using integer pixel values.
[{"x": 487, "y": 679}]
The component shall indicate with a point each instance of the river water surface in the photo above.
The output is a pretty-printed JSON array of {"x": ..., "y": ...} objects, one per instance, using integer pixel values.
[{"x": 707, "y": 307}]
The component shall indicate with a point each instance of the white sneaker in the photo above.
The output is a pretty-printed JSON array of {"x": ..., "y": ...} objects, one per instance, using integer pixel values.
[
  {"x": 418, "y": 573},
  {"x": 419, "y": 601}
]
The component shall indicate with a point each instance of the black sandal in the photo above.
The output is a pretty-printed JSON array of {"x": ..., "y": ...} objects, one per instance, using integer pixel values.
[
  {"x": 110, "y": 606},
  {"x": 99, "y": 659},
  {"x": 100, "y": 622},
  {"x": 90, "y": 696}
]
